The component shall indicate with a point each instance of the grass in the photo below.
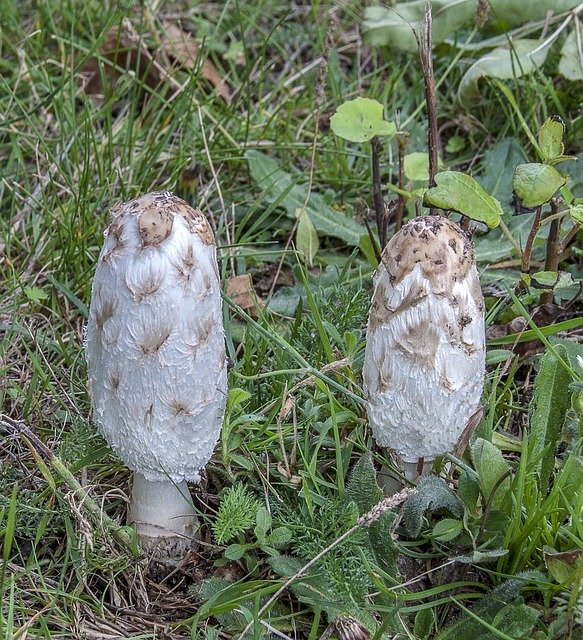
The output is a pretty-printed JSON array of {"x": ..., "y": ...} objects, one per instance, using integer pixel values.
[{"x": 491, "y": 547}]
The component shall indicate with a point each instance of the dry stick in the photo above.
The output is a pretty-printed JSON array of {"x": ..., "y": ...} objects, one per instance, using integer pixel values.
[
  {"x": 377, "y": 193},
  {"x": 426, "y": 56},
  {"x": 364, "y": 521},
  {"x": 38, "y": 448},
  {"x": 553, "y": 255},
  {"x": 402, "y": 142}
]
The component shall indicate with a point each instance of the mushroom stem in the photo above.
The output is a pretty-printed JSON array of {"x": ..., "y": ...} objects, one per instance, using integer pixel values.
[{"x": 163, "y": 515}]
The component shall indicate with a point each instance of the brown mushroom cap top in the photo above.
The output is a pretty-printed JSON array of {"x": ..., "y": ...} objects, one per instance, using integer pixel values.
[
  {"x": 155, "y": 212},
  {"x": 437, "y": 244}
]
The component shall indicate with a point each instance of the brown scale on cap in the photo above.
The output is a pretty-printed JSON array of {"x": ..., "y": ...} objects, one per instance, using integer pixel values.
[
  {"x": 442, "y": 249},
  {"x": 156, "y": 213}
]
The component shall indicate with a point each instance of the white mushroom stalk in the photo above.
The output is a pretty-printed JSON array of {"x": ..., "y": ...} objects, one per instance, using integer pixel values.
[
  {"x": 156, "y": 359},
  {"x": 424, "y": 362}
]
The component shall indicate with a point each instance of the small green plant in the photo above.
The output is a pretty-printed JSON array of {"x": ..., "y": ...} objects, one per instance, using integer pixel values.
[{"x": 237, "y": 513}]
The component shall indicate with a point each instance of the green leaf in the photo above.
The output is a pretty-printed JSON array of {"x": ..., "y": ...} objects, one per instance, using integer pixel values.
[
  {"x": 360, "y": 120},
  {"x": 362, "y": 487},
  {"x": 551, "y": 280},
  {"x": 550, "y": 138},
  {"x": 535, "y": 183},
  {"x": 570, "y": 64},
  {"x": 235, "y": 551},
  {"x": 564, "y": 567},
  {"x": 468, "y": 490},
  {"x": 502, "y": 63},
  {"x": 457, "y": 191},
  {"x": 417, "y": 166},
  {"x": 491, "y": 467},
  {"x": 447, "y": 529},
  {"x": 280, "y": 189},
  {"x": 455, "y": 144},
  {"x": 576, "y": 212},
  {"x": 307, "y": 242},
  {"x": 552, "y": 399},
  {"x": 262, "y": 523},
  {"x": 432, "y": 494},
  {"x": 279, "y": 537},
  {"x": 36, "y": 294}
]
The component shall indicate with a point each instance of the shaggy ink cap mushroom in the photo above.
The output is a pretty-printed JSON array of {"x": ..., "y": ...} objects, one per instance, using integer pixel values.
[
  {"x": 156, "y": 357},
  {"x": 425, "y": 353}
]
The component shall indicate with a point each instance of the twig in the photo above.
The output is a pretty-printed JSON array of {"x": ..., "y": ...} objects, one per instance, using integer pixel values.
[
  {"x": 426, "y": 56},
  {"x": 553, "y": 255},
  {"x": 402, "y": 142},
  {"x": 38, "y": 448},
  {"x": 377, "y": 193},
  {"x": 364, "y": 521}
]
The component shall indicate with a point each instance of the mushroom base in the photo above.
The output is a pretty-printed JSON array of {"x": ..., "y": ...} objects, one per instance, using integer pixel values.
[
  {"x": 410, "y": 470},
  {"x": 163, "y": 516}
]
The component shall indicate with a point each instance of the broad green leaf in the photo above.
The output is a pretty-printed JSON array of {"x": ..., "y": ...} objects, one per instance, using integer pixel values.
[
  {"x": 280, "y": 188},
  {"x": 576, "y": 212},
  {"x": 455, "y": 144},
  {"x": 552, "y": 399},
  {"x": 393, "y": 26},
  {"x": 502, "y": 63},
  {"x": 570, "y": 63},
  {"x": 550, "y": 138},
  {"x": 447, "y": 529},
  {"x": 551, "y": 279},
  {"x": 535, "y": 183},
  {"x": 417, "y": 166},
  {"x": 307, "y": 241},
  {"x": 457, "y": 191},
  {"x": 491, "y": 467},
  {"x": 516, "y": 620},
  {"x": 564, "y": 567},
  {"x": 360, "y": 120},
  {"x": 433, "y": 494}
]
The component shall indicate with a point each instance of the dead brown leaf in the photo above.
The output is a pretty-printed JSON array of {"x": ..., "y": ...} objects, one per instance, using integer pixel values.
[
  {"x": 240, "y": 290},
  {"x": 124, "y": 48},
  {"x": 184, "y": 50}
]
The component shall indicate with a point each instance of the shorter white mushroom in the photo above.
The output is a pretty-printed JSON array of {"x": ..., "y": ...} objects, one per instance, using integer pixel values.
[
  {"x": 425, "y": 353},
  {"x": 156, "y": 359}
]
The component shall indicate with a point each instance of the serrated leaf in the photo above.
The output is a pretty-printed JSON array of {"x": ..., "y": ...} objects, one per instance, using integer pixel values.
[
  {"x": 416, "y": 166},
  {"x": 360, "y": 120},
  {"x": 550, "y": 138},
  {"x": 279, "y": 188},
  {"x": 570, "y": 63},
  {"x": 576, "y": 212},
  {"x": 362, "y": 487},
  {"x": 551, "y": 402},
  {"x": 307, "y": 242},
  {"x": 279, "y": 537},
  {"x": 489, "y": 462},
  {"x": 503, "y": 63},
  {"x": 535, "y": 183},
  {"x": 459, "y": 192},
  {"x": 447, "y": 529}
]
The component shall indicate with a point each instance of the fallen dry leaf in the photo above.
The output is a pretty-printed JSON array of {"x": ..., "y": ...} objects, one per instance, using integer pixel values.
[
  {"x": 240, "y": 290},
  {"x": 124, "y": 48},
  {"x": 185, "y": 51}
]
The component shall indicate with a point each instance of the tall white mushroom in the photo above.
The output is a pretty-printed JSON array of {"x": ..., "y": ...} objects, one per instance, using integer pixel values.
[
  {"x": 424, "y": 362},
  {"x": 156, "y": 359}
]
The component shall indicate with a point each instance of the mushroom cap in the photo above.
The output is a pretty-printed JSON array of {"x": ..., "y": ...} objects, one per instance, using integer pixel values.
[
  {"x": 154, "y": 340},
  {"x": 424, "y": 361}
]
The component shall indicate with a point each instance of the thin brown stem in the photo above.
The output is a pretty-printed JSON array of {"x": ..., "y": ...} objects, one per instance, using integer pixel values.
[
  {"x": 527, "y": 253},
  {"x": 553, "y": 256},
  {"x": 573, "y": 231},
  {"x": 426, "y": 56},
  {"x": 402, "y": 142},
  {"x": 377, "y": 192}
]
